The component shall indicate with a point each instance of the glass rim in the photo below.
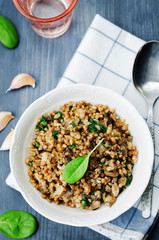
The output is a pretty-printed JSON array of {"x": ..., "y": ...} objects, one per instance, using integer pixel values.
[{"x": 53, "y": 19}]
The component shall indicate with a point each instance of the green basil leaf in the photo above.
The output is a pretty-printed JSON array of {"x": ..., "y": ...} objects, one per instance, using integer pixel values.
[
  {"x": 76, "y": 168},
  {"x": 8, "y": 33},
  {"x": 17, "y": 224}
]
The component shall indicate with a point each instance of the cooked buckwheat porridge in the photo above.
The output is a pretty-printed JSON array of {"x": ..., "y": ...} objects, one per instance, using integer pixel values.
[{"x": 73, "y": 131}]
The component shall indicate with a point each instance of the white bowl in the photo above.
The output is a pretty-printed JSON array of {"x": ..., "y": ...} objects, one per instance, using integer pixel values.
[{"x": 24, "y": 132}]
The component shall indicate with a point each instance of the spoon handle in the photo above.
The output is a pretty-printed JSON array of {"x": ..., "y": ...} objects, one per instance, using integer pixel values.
[{"x": 146, "y": 199}]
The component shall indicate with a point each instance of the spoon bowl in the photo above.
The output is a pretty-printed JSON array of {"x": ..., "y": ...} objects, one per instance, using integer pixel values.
[{"x": 146, "y": 71}]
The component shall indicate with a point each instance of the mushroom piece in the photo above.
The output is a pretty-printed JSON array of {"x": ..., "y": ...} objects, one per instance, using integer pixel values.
[
  {"x": 59, "y": 191},
  {"x": 108, "y": 200},
  {"x": 111, "y": 174},
  {"x": 122, "y": 182},
  {"x": 94, "y": 205},
  {"x": 111, "y": 166},
  {"x": 115, "y": 190}
]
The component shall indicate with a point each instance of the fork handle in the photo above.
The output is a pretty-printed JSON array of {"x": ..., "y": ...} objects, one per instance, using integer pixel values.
[{"x": 146, "y": 199}]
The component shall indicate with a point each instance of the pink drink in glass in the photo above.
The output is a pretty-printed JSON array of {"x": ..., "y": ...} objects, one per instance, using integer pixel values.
[{"x": 48, "y": 18}]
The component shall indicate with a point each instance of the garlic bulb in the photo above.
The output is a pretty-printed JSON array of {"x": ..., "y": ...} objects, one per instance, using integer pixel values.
[
  {"x": 21, "y": 80},
  {"x": 5, "y": 117},
  {"x": 7, "y": 141}
]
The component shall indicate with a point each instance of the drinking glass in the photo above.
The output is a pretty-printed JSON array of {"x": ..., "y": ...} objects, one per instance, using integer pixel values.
[{"x": 48, "y": 18}]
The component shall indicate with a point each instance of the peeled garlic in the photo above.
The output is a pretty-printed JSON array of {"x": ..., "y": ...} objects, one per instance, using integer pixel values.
[
  {"x": 21, "y": 80},
  {"x": 7, "y": 141},
  {"x": 5, "y": 117}
]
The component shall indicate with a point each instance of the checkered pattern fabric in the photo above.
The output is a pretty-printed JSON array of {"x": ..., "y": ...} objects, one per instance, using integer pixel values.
[{"x": 105, "y": 58}]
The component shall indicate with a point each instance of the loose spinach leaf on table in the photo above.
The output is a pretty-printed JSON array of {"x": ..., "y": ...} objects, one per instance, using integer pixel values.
[
  {"x": 17, "y": 224},
  {"x": 76, "y": 168}
]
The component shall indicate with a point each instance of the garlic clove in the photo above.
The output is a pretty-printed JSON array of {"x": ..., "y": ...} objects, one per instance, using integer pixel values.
[
  {"x": 21, "y": 80},
  {"x": 5, "y": 117},
  {"x": 7, "y": 141}
]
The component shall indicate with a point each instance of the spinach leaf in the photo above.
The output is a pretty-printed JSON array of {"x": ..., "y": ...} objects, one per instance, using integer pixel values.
[
  {"x": 42, "y": 123},
  {"x": 130, "y": 135},
  {"x": 102, "y": 164},
  {"x": 17, "y": 224},
  {"x": 93, "y": 129},
  {"x": 55, "y": 133},
  {"x": 76, "y": 168},
  {"x": 36, "y": 144},
  {"x": 92, "y": 126},
  {"x": 103, "y": 190},
  {"x": 84, "y": 201},
  {"x": 121, "y": 189},
  {"x": 70, "y": 147},
  {"x": 126, "y": 164},
  {"x": 73, "y": 123},
  {"x": 129, "y": 179},
  {"x": 61, "y": 114},
  {"x": 8, "y": 33},
  {"x": 31, "y": 164}
]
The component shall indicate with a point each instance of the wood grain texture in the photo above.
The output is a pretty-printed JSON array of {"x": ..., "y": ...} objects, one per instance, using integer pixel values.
[{"x": 46, "y": 60}]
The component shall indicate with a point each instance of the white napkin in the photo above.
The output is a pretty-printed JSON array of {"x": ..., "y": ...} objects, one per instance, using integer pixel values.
[{"x": 105, "y": 58}]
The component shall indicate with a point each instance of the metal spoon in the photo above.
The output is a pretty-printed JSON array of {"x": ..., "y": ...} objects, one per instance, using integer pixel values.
[{"x": 146, "y": 81}]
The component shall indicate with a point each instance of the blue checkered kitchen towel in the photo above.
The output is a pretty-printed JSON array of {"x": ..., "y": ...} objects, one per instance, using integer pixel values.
[{"x": 105, "y": 58}]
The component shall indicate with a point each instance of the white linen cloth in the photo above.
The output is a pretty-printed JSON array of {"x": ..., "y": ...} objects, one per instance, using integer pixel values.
[{"x": 105, "y": 58}]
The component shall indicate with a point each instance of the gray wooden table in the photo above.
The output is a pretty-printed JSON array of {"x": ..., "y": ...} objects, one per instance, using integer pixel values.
[{"x": 46, "y": 60}]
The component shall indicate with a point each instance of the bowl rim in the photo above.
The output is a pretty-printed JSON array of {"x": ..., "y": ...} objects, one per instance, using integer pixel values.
[
  {"x": 120, "y": 211},
  {"x": 30, "y": 17}
]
